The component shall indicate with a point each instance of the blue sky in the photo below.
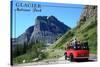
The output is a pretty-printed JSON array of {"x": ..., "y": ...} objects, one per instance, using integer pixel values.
[{"x": 69, "y": 14}]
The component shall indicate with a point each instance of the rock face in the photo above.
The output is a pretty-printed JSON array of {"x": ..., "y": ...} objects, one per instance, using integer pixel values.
[
  {"x": 89, "y": 11},
  {"x": 46, "y": 29},
  {"x": 23, "y": 38}
]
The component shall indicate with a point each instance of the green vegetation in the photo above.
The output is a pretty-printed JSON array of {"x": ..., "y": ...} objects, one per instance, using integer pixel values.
[
  {"x": 85, "y": 30},
  {"x": 19, "y": 50},
  {"x": 54, "y": 53},
  {"x": 33, "y": 51},
  {"x": 66, "y": 37}
]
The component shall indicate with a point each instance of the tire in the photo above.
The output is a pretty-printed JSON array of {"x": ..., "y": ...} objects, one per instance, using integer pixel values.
[
  {"x": 71, "y": 59},
  {"x": 65, "y": 57}
]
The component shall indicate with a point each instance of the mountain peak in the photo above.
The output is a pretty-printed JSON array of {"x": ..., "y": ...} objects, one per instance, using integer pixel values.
[{"x": 46, "y": 29}]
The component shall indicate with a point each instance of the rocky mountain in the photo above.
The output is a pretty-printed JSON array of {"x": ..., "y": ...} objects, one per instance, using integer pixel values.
[
  {"x": 89, "y": 11},
  {"x": 46, "y": 29}
]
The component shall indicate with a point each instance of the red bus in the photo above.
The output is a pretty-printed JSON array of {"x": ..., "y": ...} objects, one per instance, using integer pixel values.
[{"x": 77, "y": 51}]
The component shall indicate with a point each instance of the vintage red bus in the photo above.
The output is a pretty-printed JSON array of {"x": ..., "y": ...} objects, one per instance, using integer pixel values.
[{"x": 77, "y": 51}]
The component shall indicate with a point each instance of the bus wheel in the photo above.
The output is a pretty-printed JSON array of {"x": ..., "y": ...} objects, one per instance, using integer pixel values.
[
  {"x": 65, "y": 57},
  {"x": 71, "y": 59}
]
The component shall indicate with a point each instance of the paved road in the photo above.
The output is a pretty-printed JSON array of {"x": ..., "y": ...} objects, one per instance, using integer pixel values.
[
  {"x": 92, "y": 58},
  {"x": 61, "y": 60}
]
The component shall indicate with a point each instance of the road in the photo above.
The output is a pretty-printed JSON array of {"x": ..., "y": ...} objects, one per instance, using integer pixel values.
[{"x": 61, "y": 60}]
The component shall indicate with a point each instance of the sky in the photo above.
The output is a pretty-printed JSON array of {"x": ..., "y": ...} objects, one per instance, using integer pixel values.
[{"x": 69, "y": 14}]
